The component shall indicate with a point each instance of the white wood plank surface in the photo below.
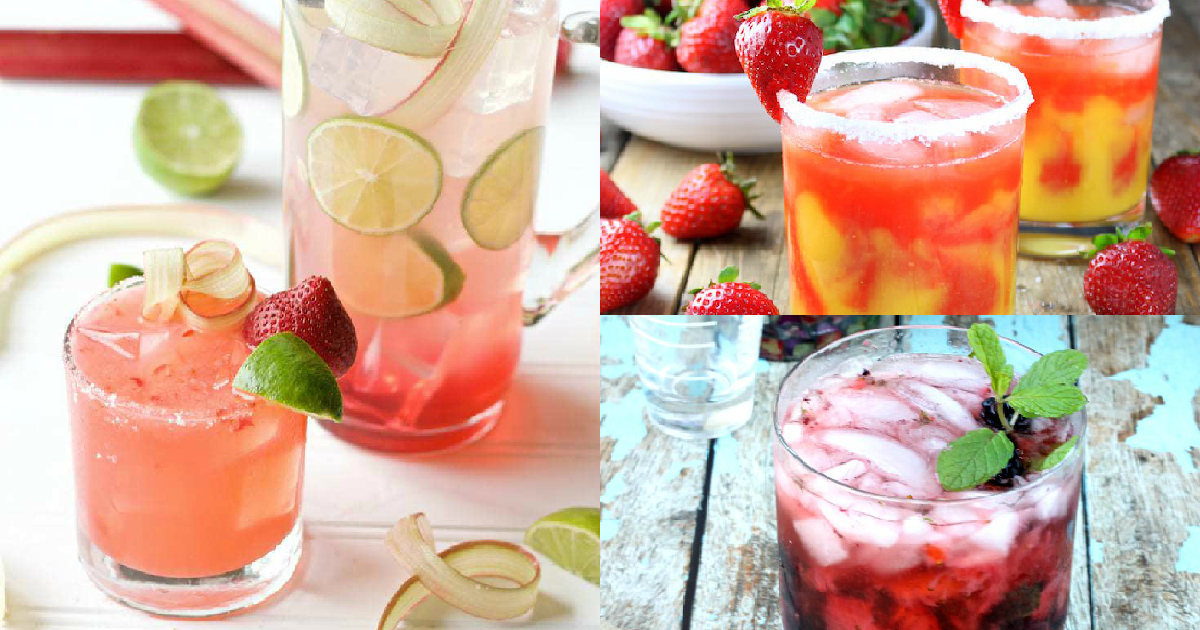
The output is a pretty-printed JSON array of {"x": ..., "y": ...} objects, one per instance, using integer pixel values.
[{"x": 68, "y": 147}]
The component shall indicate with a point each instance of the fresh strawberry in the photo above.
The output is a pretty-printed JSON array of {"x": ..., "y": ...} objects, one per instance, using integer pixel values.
[
  {"x": 611, "y": 12},
  {"x": 314, "y": 313},
  {"x": 628, "y": 261},
  {"x": 710, "y": 201},
  {"x": 613, "y": 203},
  {"x": 727, "y": 297},
  {"x": 644, "y": 43},
  {"x": 854, "y": 24},
  {"x": 706, "y": 41},
  {"x": 1128, "y": 276},
  {"x": 952, "y": 13},
  {"x": 780, "y": 49},
  {"x": 1175, "y": 191}
]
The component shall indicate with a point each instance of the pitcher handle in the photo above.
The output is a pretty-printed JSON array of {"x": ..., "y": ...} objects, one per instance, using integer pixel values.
[{"x": 564, "y": 262}]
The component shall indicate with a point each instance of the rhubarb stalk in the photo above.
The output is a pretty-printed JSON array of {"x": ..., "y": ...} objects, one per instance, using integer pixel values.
[{"x": 242, "y": 38}]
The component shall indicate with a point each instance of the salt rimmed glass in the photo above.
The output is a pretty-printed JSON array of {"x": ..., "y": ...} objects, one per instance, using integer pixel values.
[
  {"x": 182, "y": 512},
  {"x": 1093, "y": 68},
  {"x": 980, "y": 561},
  {"x": 916, "y": 215}
]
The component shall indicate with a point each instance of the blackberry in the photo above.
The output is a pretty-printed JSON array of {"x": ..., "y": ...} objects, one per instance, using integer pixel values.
[
  {"x": 991, "y": 419},
  {"x": 1007, "y": 475}
]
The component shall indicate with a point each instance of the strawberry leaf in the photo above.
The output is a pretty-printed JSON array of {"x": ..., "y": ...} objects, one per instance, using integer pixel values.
[{"x": 728, "y": 274}]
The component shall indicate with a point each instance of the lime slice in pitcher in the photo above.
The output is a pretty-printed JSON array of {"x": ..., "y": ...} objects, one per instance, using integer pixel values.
[
  {"x": 498, "y": 204},
  {"x": 372, "y": 177},
  {"x": 294, "y": 89},
  {"x": 402, "y": 275},
  {"x": 186, "y": 137}
]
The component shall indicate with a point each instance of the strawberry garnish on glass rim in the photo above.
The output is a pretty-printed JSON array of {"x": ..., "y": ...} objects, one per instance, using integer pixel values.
[
  {"x": 780, "y": 49},
  {"x": 952, "y": 13},
  {"x": 314, "y": 313}
]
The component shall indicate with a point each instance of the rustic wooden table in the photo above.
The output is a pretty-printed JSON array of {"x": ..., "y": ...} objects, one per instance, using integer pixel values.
[
  {"x": 648, "y": 171},
  {"x": 689, "y": 526}
]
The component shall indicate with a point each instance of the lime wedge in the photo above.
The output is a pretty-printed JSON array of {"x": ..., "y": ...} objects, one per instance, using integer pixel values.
[
  {"x": 570, "y": 538},
  {"x": 294, "y": 89},
  {"x": 287, "y": 371},
  {"x": 186, "y": 137},
  {"x": 372, "y": 177},
  {"x": 419, "y": 277},
  {"x": 420, "y": 28},
  {"x": 498, "y": 205},
  {"x": 120, "y": 271}
]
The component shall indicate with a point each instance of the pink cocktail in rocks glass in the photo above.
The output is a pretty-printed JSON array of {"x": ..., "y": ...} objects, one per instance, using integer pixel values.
[{"x": 868, "y": 538}]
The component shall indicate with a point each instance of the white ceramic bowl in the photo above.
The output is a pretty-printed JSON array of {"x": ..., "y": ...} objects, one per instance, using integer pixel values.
[{"x": 706, "y": 112}]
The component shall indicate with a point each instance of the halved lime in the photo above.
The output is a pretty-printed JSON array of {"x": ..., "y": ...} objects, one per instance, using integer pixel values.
[
  {"x": 372, "y": 177},
  {"x": 186, "y": 137},
  {"x": 294, "y": 90},
  {"x": 287, "y": 371},
  {"x": 400, "y": 276},
  {"x": 498, "y": 204},
  {"x": 420, "y": 28},
  {"x": 570, "y": 538}
]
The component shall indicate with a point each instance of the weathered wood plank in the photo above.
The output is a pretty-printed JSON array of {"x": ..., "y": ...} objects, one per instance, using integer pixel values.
[
  {"x": 652, "y": 486},
  {"x": 647, "y": 172},
  {"x": 737, "y": 587},
  {"x": 1143, "y": 483}
]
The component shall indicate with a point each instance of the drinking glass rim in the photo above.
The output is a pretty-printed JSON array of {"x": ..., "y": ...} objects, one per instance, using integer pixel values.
[
  {"x": 111, "y": 400},
  {"x": 1054, "y": 473},
  {"x": 876, "y": 130},
  {"x": 1141, "y": 24}
]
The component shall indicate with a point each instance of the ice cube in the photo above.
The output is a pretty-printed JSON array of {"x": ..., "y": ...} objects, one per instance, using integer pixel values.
[
  {"x": 123, "y": 343},
  {"x": 951, "y": 109},
  {"x": 510, "y": 74},
  {"x": 929, "y": 439},
  {"x": 936, "y": 370},
  {"x": 941, "y": 407},
  {"x": 846, "y": 471},
  {"x": 916, "y": 117},
  {"x": 821, "y": 542},
  {"x": 1055, "y": 8},
  {"x": 999, "y": 534},
  {"x": 345, "y": 67},
  {"x": 884, "y": 453},
  {"x": 915, "y": 529},
  {"x": 857, "y": 526},
  {"x": 868, "y": 101},
  {"x": 873, "y": 407},
  {"x": 156, "y": 348}
]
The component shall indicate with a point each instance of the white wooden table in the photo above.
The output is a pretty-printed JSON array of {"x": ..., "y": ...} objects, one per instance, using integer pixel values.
[{"x": 67, "y": 147}]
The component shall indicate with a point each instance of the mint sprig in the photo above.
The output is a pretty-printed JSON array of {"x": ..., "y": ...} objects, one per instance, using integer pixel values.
[{"x": 1046, "y": 390}]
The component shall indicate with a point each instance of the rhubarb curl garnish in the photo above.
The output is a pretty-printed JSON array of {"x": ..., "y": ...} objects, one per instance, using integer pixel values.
[
  {"x": 209, "y": 285},
  {"x": 449, "y": 575}
]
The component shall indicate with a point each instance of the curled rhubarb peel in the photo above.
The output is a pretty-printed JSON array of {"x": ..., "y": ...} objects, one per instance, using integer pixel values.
[
  {"x": 226, "y": 320},
  {"x": 209, "y": 284},
  {"x": 255, "y": 238},
  {"x": 449, "y": 575}
]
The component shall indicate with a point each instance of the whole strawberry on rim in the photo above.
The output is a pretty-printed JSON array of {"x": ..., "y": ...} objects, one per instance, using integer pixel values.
[
  {"x": 780, "y": 49},
  {"x": 710, "y": 201},
  {"x": 1129, "y": 276},
  {"x": 1175, "y": 192},
  {"x": 726, "y": 296},
  {"x": 628, "y": 261}
]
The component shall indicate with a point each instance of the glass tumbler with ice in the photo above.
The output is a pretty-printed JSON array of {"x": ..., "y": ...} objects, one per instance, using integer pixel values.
[
  {"x": 870, "y": 539},
  {"x": 698, "y": 371}
]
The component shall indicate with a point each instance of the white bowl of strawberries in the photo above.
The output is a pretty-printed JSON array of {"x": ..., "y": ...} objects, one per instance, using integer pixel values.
[{"x": 703, "y": 110}]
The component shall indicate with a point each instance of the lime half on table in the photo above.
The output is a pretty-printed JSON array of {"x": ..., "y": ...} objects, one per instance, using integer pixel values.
[
  {"x": 372, "y": 177},
  {"x": 498, "y": 205},
  {"x": 571, "y": 539},
  {"x": 186, "y": 137}
]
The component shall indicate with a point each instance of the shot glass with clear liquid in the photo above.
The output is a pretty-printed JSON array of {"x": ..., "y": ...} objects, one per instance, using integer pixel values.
[{"x": 698, "y": 371}]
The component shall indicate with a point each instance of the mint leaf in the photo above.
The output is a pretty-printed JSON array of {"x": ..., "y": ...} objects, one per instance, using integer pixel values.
[
  {"x": 985, "y": 347},
  {"x": 973, "y": 459},
  {"x": 1047, "y": 401},
  {"x": 1062, "y": 367},
  {"x": 1057, "y": 455}
]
